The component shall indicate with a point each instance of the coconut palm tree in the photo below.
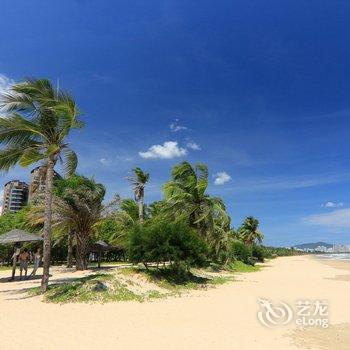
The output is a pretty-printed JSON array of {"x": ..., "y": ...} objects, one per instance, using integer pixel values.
[
  {"x": 249, "y": 232},
  {"x": 37, "y": 122},
  {"x": 77, "y": 209},
  {"x": 124, "y": 217},
  {"x": 138, "y": 181},
  {"x": 186, "y": 198}
]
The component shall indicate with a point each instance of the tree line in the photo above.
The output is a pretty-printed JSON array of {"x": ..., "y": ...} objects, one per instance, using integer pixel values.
[{"x": 187, "y": 227}]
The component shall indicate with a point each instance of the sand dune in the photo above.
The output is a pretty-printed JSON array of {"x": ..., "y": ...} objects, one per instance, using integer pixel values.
[{"x": 220, "y": 318}]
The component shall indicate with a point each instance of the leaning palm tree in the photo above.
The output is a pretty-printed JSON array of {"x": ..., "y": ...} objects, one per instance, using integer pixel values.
[
  {"x": 125, "y": 217},
  {"x": 37, "y": 122},
  {"x": 138, "y": 181},
  {"x": 249, "y": 232},
  {"x": 186, "y": 198}
]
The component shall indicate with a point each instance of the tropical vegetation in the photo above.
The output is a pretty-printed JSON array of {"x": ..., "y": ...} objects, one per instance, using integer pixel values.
[
  {"x": 187, "y": 228},
  {"x": 38, "y": 120}
]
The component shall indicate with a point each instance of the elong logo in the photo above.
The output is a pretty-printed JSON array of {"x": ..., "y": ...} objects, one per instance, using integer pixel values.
[{"x": 308, "y": 314}]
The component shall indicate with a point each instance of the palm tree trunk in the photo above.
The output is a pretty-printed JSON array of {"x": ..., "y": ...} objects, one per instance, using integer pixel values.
[
  {"x": 47, "y": 224},
  {"x": 82, "y": 251},
  {"x": 70, "y": 249},
  {"x": 141, "y": 205}
]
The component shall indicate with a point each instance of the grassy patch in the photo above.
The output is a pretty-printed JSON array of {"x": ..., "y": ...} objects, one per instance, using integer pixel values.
[
  {"x": 176, "y": 282},
  {"x": 172, "y": 280},
  {"x": 94, "y": 288},
  {"x": 107, "y": 263},
  {"x": 239, "y": 266},
  {"x": 5, "y": 268},
  {"x": 221, "y": 279},
  {"x": 126, "y": 285}
]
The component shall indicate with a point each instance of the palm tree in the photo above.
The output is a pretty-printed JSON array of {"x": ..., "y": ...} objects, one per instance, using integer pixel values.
[
  {"x": 124, "y": 218},
  {"x": 222, "y": 231},
  {"x": 77, "y": 209},
  {"x": 138, "y": 181},
  {"x": 186, "y": 198},
  {"x": 38, "y": 121},
  {"x": 249, "y": 232}
]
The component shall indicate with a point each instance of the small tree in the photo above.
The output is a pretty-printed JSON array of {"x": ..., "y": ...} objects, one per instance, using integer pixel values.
[{"x": 159, "y": 242}]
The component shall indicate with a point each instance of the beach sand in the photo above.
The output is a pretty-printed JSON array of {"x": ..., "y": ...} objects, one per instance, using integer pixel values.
[{"x": 224, "y": 317}]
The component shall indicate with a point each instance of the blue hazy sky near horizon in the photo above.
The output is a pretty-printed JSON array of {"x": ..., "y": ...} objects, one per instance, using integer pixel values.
[{"x": 261, "y": 86}]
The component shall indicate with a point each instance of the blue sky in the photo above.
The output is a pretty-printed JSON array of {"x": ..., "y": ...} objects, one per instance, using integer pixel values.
[{"x": 257, "y": 90}]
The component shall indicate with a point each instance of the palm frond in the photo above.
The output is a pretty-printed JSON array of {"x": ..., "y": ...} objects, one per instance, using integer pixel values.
[
  {"x": 70, "y": 161},
  {"x": 9, "y": 157}
]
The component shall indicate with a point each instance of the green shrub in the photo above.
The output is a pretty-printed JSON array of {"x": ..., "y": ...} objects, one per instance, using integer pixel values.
[
  {"x": 239, "y": 251},
  {"x": 272, "y": 252},
  {"x": 259, "y": 253},
  {"x": 158, "y": 242}
]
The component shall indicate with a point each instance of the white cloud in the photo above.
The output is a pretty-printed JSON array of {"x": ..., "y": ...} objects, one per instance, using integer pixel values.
[
  {"x": 168, "y": 150},
  {"x": 104, "y": 161},
  {"x": 175, "y": 126},
  {"x": 339, "y": 218},
  {"x": 193, "y": 146},
  {"x": 221, "y": 178},
  {"x": 5, "y": 83},
  {"x": 332, "y": 204}
]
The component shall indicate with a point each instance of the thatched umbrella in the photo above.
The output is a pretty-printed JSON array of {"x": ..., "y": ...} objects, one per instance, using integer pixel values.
[
  {"x": 18, "y": 236},
  {"x": 99, "y": 247}
]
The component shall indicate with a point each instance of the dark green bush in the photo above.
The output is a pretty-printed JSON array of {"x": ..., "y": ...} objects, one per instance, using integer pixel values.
[
  {"x": 272, "y": 252},
  {"x": 259, "y": 253},
  {"x": 158, "y": 242},
  {"x": 239, "y": 251}
]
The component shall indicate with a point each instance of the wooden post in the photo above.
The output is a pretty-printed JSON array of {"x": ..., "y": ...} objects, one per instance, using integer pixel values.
[{"x": 99, "y": 259}]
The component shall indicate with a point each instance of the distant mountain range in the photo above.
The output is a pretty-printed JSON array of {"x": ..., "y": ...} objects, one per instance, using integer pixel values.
[{"x": 313, "y": 245}]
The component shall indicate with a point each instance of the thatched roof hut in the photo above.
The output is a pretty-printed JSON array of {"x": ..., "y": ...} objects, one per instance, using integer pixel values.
[
  {"x": 99, "y": 247},
  {"x": 19, "y": 236}
]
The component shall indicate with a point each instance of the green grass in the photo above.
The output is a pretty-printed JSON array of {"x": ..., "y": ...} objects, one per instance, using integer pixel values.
[
  {"x": 221, "y": 280},
  {"x": 107, "y": 263},
  {"x": 239, "y": 266},
  {"x": 5, "y": 268},
  {"x": 171, "y": 280},
  {"x": 176, "y": 283},
  {"x": 95, "y": 288}
]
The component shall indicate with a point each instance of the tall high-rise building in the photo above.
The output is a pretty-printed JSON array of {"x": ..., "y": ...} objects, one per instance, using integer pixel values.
[
  {"x": 38, "y": 181},
  {"x": 15, "y": 196}
]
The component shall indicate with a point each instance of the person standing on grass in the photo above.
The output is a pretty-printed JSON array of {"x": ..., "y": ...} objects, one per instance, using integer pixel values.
[
  {"x": 23, "y": 262},
  {"x": 37, "y": 260}
]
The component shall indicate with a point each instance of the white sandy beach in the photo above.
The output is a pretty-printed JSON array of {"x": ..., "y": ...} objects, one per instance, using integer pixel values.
[{"x": 221, "y": 318}]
